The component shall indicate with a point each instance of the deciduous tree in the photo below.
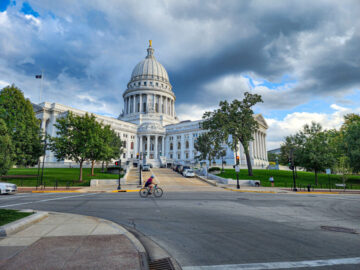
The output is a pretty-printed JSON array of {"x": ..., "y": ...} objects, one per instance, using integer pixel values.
[
  {"x": 22, "y": 125},
  {"x": 6, "y": 149},
  {"x": 235, "y": 120}
]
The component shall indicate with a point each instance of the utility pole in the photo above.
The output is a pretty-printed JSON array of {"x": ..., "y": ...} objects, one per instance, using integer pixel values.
[{"x": 292, "y": 167}]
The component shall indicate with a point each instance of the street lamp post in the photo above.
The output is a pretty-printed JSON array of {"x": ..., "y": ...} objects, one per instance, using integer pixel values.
[
  {"x": 119, "y": 164},
  {"x": 292, "y": 168}
]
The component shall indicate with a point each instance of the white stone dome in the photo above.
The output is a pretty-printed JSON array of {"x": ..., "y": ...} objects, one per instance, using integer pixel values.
[{"x": 149, "y": 68}]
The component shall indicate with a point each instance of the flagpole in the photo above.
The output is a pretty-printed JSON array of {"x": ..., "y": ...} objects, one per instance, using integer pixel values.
[{"x": 42, "y": 78}]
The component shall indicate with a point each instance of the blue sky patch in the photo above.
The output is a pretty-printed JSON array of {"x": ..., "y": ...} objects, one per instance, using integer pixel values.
[
  {"x": 27, "y": 9},
  {"x": 285, "y": 80},
  {"x": 4, "y": 5}
]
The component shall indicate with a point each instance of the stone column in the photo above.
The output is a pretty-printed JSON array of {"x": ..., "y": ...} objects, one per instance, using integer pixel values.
[
  {"x": 191, "y": 146},
  {"x": 134, "y": 104},
  {"x": 167, "y": 106},
  {"x": 141, "y": 145},
  {"x": 136, "y": 142},
  {"x": 163, "y": 146},
  {"x": 156, "y": 146},
  {"x": 182, "y": 154},
  {"x": 175, "y": 146},
  {"x": 148, "y": 147},
  {"x": 161, "y": 104}
]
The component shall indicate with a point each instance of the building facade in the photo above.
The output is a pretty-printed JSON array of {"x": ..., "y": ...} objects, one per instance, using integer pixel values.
[{"x": 148, "y": 123}]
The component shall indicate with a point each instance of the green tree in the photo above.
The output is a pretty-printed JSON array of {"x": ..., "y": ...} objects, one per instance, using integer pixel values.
[
  {"x": 72, "y": 141},
  {"x": 208, "y": 145},
  {"x": 343, "y": 167},
  {"x": 315, "y": 151},
  {"x": 6, "y": 149},
  {"x": 113, "y": 147},
  {"x": 351, "y": 140},
  {"x": 235, "y": 120},
  {"x": 291, "y": 144},
  {"x": 22, "y": 125}
]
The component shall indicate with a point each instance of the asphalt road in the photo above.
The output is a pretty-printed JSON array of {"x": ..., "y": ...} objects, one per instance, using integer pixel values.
[{"x": 225, "y": 229}]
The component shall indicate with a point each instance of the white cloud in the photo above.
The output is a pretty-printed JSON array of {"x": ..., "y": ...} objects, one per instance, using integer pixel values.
[
  {"x": 191, "y": 112},
  {"x": 292, "y": 123}
]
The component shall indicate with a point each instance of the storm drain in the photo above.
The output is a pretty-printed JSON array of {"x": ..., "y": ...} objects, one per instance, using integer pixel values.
[
  {"x": 162, "y": 264},
  {"x": 338, "y": 229}
]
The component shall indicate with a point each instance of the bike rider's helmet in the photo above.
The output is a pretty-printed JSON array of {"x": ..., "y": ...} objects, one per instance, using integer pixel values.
[{"x": 152, "y": 176}]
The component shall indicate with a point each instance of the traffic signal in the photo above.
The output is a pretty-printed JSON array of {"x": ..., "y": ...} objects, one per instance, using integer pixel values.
[
  {"x": 237, "y": 160},
  {"x": 118, "y": 163}
]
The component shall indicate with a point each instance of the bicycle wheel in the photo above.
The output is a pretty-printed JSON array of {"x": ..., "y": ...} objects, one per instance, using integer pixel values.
[
  {"x": 144, "y": 192},
  {"x": 158, "y": 192}
]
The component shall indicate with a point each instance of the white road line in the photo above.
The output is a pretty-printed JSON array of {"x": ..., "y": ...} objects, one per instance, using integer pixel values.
[
  {"x": 23, "y": 195},
  {"x": 46, "y": 200},
  {"x": 277, "y": 265}
]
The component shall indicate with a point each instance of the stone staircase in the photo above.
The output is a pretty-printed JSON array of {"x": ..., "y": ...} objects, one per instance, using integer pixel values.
[{"x": 133, "y": 176}]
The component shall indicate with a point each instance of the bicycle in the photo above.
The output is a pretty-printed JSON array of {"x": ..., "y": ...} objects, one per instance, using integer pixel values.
[{"x": 145, "y": 191}]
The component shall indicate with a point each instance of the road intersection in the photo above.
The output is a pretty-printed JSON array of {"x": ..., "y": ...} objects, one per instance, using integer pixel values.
[{"x": 206, "y": 227}]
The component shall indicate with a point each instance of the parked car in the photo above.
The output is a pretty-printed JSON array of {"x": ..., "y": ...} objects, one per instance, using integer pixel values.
[
  {"x": 145, "y": 168},
  {"x": 6, "y": 188},
  {"x": 177, "y": 168},
  {"x": 150, "y": 165},
  {"x": 183, "y": 168},
  {"x": 189, "y": 173}
]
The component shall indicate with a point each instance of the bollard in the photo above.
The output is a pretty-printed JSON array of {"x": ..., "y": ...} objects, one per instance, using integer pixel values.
[{"x": 308, "y": 187}]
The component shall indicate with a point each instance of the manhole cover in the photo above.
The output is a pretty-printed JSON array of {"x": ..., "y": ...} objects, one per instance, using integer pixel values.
[{"x": 338, "y": 229}]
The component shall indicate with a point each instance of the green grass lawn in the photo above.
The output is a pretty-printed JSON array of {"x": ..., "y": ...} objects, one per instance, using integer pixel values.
[
  {"x": 7, "y": 216},
  {"x": 285, "y": 178},
  {"x": 64, "y": 176}
]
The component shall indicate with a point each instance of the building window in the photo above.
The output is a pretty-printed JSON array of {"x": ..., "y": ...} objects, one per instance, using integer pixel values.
[
  {"x": 156, "y": 107},
  {"x": 131, "y": 155},
  {"x": 178, "y": 137},
  {"x": 124, "y": 155},
  {"x": 145, "y": 83},
  {"x": 171, "y": 146},
  {"x": 132, "y": 146},
  {"x": 144, "y": 107},
  {"x": 195, "y": 135},
  {"x": 150, "y": 83},
  {"x": 138, "y": 107},
  {"x": 171, "y": 156},
  {"x": 157, "y": 84},
  {"x": 139, "y": 84},
  {"x": 187, "y": 144},
  {"x": 124, "y": 144},
  {"x": 178, "y": 156},
  {"x": 187, "y": 155},
  {"x": 179, "y": 145}
]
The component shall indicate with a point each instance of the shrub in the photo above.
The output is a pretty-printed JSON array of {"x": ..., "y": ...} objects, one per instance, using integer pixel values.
[{"x": 214, "y": 169}]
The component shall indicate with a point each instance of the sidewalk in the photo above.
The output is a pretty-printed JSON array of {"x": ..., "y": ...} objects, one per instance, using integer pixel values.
[{"x": 67, "y": 241}]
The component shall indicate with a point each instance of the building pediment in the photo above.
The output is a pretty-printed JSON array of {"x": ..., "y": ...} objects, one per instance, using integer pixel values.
[
  {"x": 261, "y": 120},
  {"x": 151, "y": 127}
]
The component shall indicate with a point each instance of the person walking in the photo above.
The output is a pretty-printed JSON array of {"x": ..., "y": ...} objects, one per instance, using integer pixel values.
[{"x": 271, "y": 179}]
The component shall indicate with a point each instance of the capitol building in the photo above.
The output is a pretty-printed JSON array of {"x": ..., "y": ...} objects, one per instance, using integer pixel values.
[{"x": 148, "y": 123}]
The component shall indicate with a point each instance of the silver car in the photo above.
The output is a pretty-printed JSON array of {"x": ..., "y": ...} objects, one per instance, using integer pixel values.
[
  {"x": 6, "y": 188},
  {"x": 188, "y": 173}
]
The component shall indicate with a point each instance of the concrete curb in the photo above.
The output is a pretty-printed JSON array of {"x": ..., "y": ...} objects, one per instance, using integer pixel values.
[
  {"x": 210, "y": 182},
  {"x": 21, "y": 224},
  {"x": 153, "y": 250}
]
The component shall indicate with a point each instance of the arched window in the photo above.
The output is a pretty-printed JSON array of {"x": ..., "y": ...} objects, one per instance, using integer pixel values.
[
  {"x": 187, "y": 145},
  {"x": 179, "y": 145},
  {"x": 171, "y": 146}
]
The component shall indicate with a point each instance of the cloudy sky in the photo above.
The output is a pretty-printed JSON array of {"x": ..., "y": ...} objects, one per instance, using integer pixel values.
[{"x": 303, "y": 57}]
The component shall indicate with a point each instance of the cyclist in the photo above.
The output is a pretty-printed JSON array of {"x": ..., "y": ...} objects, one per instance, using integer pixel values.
[{"x": 150, "y": 183}]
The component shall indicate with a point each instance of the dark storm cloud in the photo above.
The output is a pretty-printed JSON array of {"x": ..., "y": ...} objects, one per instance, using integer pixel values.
[{"x": 90, "y": 47}]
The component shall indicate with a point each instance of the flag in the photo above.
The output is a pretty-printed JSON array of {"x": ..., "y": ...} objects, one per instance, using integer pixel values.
[{"x": 38, "y": 76}]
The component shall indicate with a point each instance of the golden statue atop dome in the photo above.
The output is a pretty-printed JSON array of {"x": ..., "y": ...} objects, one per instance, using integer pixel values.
[{"x": 150, "y": 43}]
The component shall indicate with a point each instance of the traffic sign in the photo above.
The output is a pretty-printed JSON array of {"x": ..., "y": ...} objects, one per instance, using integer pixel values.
[{"x": 237, "y": 168}]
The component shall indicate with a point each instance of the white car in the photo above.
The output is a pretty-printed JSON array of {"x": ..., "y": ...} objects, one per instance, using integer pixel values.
[
  {"x": 6, "y": 188},
  {"x": 189, "y": 173}
]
